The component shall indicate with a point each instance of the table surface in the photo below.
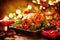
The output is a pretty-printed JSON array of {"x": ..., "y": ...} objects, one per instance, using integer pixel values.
[{"x": 22, "y": 37}]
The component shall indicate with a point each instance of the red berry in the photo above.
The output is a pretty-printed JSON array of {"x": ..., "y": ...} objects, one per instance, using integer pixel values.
[{"x": 25, "y": 26}]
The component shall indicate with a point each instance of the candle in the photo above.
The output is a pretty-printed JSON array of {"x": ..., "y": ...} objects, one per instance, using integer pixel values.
[{"x": 6, "y": 22}]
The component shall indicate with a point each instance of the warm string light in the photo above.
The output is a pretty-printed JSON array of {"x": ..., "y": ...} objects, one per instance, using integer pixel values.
[
  {"x": 49, "y": 12},
  {"x": 38, "y": 1},
  {"x": 34, "y": 1},
  {"x": 57, "y": 1},
  {"x": 18, "y": 11},
  {"x": 29, "y": 7},
  {"x": 14, "y": 14},
  {"x": 19, "y": 16},
  {"x": 10, "y": 15},
  {"x": 44, "y": 0},
  {"x": 15, "y": 18},
  {"x": 41, "y": 7},
  {"x": 50, "y": 2}
]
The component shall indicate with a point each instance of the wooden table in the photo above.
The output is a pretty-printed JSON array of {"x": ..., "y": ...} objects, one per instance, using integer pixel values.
[{"x": 23, "y": 37}]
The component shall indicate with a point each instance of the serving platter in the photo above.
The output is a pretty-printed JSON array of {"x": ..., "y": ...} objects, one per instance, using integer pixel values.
[{"x": 25, "y": 32}]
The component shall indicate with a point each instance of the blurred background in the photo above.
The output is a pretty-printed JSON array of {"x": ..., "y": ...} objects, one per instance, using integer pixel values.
[
  {"x": 7, "y": 6},
  {"x": 10, "y": 6}
]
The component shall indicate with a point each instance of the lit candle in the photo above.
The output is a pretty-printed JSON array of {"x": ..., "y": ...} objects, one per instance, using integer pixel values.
[
  {"x": 6, "y": 22},
  {"x": 6, "y": 18}
]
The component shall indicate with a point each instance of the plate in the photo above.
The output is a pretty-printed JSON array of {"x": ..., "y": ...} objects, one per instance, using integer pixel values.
[{"x": 25, "y": 32}]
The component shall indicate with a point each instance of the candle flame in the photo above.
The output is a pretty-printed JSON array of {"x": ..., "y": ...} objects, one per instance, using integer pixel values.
[{"x": 6, "y": 18}]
